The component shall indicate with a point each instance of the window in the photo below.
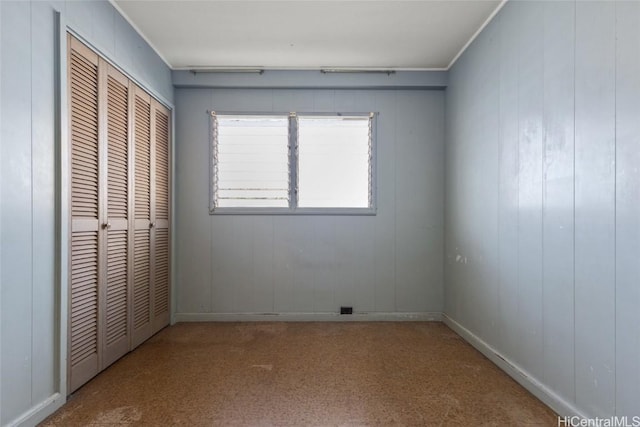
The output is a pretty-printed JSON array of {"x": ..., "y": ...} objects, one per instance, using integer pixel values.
[
  {"x": 334, "y": 158},
  {"x": 252, "y": 161},
  {"x": 292, "y": 163}
]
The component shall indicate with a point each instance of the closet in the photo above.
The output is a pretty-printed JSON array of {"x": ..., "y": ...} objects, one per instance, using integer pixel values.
[{"x": 119, "y": 292}]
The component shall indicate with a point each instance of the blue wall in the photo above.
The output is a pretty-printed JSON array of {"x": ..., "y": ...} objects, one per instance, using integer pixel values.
[
  {"x": 542, "y": 222},
  {"x": 28, "y": 297},
  {"x": 307, "y": 266}
]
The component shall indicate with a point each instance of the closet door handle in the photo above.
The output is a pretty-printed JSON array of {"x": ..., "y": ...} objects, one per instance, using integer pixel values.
[
  {"x": 151, "y": 225},
  {"x": 106, "y": 225}
]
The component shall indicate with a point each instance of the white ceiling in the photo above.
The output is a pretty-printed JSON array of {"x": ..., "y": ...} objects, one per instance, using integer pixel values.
[{"x": 309, "y": 34}]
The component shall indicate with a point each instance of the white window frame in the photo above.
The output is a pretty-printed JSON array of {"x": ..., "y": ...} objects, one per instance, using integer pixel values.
[{"x": 293, "y": 208}]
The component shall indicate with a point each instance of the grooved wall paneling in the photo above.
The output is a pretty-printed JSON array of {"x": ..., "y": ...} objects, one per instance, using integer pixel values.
[
  {"x": 560, "y": 82},
  {"x": 387, "y": 263}
]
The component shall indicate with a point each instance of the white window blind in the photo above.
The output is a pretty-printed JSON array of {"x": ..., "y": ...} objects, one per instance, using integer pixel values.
[{"x": 251, "y": 161}]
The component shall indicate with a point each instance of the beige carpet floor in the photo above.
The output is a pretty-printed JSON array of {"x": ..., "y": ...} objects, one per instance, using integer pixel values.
[{"x": 304, "y": 374}]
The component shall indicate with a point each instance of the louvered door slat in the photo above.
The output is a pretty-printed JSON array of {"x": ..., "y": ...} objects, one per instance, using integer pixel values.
[
  {"x": 117, "y": 152},
  {"x": 84, "y": 287},
  {"x": 84, "y": 283},
  {"x": 121, "y": 155},
  {"x": 162, "y": 165},
  {"x": 141, "y": 289},
  {"x": 83, "y": 91},
  {"x": 114, "y": 310},
  {"x": 84, "y": 301},
  {"x": 83, "y": 168},
  {"x": 161, "y": 303},
  {"x": 142, "y": 156},
  {"x": 84, "y": 306},
  {"x": 116, "y": 286},
  {"x": 82, "y": 130},
  {"x": 84, "y": 136},
  {"x": 82, "y": 171}
]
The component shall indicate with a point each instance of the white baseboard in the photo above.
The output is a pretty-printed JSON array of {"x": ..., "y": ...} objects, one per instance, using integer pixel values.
[
  {"x": 537, "y": 388},
  {"x": 309, "y": 317},
  {"x": 38, "y": 413}
]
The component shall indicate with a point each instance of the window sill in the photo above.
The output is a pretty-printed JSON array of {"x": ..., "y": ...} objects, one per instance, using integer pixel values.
[{"x": 298, "y": 211}]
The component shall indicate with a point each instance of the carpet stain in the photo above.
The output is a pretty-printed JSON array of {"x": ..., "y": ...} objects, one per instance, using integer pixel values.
[
  {"x": 265, "y": 367},
  {"x": 118, "y": 416}
]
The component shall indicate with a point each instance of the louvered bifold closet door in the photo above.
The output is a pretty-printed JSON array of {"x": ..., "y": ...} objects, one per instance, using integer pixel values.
[
  {"x": 116, "y": 313},
  {"x": 119, "y": 202},
  {"x": 141, "y": 318},
  {"x": 84, "y": 342},
  {"x": 160, "y": 216}
]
